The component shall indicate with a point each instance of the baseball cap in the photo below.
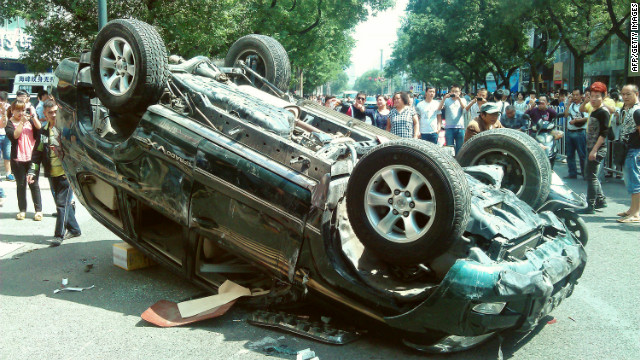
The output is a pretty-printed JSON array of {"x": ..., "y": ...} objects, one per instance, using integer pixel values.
[{"x": 490, "y": 108}]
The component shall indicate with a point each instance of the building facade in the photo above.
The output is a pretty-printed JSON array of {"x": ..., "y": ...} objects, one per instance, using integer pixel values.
[{"x": 13, "y": 43}]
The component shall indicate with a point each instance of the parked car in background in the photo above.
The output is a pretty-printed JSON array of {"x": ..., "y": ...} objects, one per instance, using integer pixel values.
[{"x": 371, "y": 103}]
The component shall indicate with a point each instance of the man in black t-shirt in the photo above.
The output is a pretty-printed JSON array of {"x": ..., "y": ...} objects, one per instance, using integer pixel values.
[
  {"x": 597, "y": 128},
  {"x": 357, "y": 110}
]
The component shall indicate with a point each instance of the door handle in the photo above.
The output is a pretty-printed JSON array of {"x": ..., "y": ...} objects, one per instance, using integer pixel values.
[{"x": 205, "y": 222}]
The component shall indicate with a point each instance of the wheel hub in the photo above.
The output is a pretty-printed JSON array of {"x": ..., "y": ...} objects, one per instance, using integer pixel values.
[
  {"x": 121, "y": 66},
  {"x": 401, "y": 203},
  {"x": 117, "y": 66}
]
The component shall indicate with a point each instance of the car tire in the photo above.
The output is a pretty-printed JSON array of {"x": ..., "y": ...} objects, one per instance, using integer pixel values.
[
  {"x": 527, "y": 171},
  {"x": 129, "y": 67},
  {"x": 272, "y": 59},
  {"x": 574, "y": 224},
  {"x": 426, "y": 187}
]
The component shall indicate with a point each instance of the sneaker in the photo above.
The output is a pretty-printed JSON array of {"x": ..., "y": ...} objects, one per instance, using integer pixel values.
[
  {"x": 37, "y": 216},
  {"x": 10, "y": 177},
  {"x": 590, "y": 209},
  {"x": 601, "y": 203},
  {"x": 56, "y": 241},
  {"x": 70, "y": 235},
  {"x": 21, "y": 215}
]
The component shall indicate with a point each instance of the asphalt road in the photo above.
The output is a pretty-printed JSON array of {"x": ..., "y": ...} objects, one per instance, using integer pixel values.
[{"x": 600, "y": 321}]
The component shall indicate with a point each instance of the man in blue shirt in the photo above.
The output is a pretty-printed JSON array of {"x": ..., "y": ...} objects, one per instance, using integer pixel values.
[
  {"x": 452, "y": 107},
  {"x": 513, "y": 119},
  {"x": 43, "y": 96}
]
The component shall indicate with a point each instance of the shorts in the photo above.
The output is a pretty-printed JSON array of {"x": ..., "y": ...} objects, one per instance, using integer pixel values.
[
  {"x": 632, "y": 171},
  {"x": 5, "y": 147}
]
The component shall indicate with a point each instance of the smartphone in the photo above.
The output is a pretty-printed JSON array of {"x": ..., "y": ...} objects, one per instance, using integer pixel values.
[{"x": 452, "y": 95}]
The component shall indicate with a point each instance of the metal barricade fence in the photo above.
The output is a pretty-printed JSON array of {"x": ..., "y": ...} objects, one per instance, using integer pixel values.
[{"x": 561, "y": 124}]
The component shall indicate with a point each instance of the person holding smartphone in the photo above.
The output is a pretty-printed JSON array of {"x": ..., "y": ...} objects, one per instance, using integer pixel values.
[
  {"x": 452, "y": 107},
  {"x": 474, "y": 106},
  {"x": 23, "y": 129}
]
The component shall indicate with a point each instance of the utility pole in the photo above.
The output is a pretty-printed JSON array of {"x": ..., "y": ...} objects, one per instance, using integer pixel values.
[{"x": 102, "y": 14}]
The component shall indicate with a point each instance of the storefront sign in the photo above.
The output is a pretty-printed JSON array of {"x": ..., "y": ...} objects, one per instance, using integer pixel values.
[
  {"x": 13, "y": 43},
  {"x": 557, "y": 72},
  {"x": 35, "y": 79}
]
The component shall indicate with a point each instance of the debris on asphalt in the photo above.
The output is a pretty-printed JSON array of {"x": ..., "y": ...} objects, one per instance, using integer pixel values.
[
  {"x": 228, "y": 291},
  {"x": 306, "y": 354},
  {"x": 283, "y": 349},
  {"x": 78, "y": 289},
  {"x": 552, "y": 321},
  {"x": 317, "y": 330},
  {"x": 65, "y": 282},
  {"x": 88, "y": 267},
  {"x": 572, "y": 319},
  {"x": 165, "y": 313},
  {"x": 262, "y": 342}
]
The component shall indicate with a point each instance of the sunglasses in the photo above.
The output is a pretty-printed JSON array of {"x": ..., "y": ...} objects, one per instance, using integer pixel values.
[{"x": 361, "y": 98}]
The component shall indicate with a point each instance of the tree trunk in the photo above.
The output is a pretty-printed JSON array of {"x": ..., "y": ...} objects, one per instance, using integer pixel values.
[
  {"x": 534, "y": 77},
  {"x": 301, "y": 78},
  {"x": 578, "y": 71}
]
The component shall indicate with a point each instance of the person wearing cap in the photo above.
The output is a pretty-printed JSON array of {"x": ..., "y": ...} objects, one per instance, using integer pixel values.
[{"x": 486, "y": 120}]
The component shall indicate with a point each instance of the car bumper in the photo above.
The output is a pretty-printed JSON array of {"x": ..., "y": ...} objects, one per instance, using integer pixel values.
[{"x": 530, "y": 289}]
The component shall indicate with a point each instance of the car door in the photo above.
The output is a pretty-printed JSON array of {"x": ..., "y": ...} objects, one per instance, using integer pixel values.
[
  {"x": 253, "y": 206},
  {"x": 157, "y": 175}
]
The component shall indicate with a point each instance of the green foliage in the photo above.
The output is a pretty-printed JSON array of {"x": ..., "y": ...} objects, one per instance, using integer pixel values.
[
  {"x": 470, "y": 37},
  {"x": 586, "y": 26},
  {"x": 370, "y": 83},
  {"x": 339, "y": 83},
  {"x": 479, "y": 36},
  {"x": 316, "y": 33}
]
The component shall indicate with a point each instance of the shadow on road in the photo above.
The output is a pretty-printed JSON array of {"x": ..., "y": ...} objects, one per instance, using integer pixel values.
[{"x": 39, "y": 272}]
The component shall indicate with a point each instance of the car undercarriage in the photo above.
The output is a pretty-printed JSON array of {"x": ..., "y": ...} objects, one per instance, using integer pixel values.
[{"x": 218, "y": 174}]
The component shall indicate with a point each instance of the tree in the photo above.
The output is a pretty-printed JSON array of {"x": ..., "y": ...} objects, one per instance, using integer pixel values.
[
  {"x": 315, "y": 33},
  {"x": 371, "y": 82},
  {"x": 619, "y": 9},
  {"x": 339, "y": 83},
  {"x": 486, "y": 36},
  {"x": 63, "y": 28},
  {"x": 586, "y": 26}
]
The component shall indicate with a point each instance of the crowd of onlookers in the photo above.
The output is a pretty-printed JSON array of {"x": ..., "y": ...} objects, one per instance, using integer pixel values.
[
  {"x": 28, "y": 140},
  {"x": 595, "y": 125},
  {"x": 590, "y": 119}
]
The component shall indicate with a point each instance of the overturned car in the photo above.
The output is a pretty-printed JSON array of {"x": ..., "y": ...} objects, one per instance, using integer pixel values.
[{"x": 216, "y": 173}]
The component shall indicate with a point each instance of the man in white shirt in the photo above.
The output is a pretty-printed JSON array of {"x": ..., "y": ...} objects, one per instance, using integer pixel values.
[
  {"x": 430, "y": 117},
  {"x": 575, "y": 137}
]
